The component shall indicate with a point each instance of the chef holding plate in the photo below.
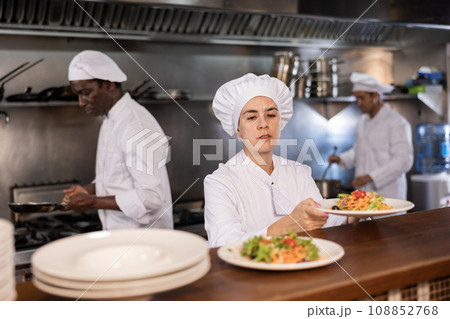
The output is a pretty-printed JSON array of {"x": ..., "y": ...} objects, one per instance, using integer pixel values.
[
  {"x": 257, "y": 192},
  {"x": 383, "y": 150}
]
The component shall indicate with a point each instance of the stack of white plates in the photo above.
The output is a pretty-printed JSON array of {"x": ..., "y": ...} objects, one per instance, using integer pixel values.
[
  {"x": 127, "y": 264},
  {"x": 7, "y": 279}
]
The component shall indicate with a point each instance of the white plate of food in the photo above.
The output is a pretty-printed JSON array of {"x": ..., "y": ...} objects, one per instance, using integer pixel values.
[
  {"x": 397, "y": 205},
  {"x": 328, "y": 251}
]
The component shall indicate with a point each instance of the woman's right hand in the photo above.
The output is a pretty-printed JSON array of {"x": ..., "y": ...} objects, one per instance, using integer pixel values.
[{"x": 304, "y": 217}]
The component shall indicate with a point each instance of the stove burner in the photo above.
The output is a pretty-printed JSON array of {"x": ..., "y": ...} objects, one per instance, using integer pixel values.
[
  {"x": 45, "y": 223},
  {"x": 184, "y": 217},
  {"x": 30, "y": 238},
  {"x": 36, "y": 232}
]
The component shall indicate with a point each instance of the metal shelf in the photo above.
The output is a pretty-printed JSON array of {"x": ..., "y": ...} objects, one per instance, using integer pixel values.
[
  {"x": 339, "y": 99},
  {"x": 432, "y": 100},
  {"x": 37, "y": 104},
  {"x": 145, "y": 102},
  {"x": 349, "y": 99}
]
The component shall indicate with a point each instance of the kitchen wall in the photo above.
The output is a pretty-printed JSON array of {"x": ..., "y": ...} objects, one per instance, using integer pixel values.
[
  {"x": 44, "y": 144},
  {"x": 47, "y": 144}
]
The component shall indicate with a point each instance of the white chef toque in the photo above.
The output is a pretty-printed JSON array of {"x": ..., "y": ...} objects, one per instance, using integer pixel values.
[
  {"x": 88, "y": 65},
  {"x": 231, "y": 97},
  {"x": 367, "y": 83}
]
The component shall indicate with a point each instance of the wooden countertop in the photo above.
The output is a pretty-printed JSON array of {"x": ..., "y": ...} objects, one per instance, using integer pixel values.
[{"x": 380, "y": 255}]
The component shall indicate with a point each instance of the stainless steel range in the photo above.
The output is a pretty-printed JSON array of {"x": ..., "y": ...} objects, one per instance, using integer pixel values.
[
  {"x": 36, "y": 229},
  {"x": 33, "y": 233}
]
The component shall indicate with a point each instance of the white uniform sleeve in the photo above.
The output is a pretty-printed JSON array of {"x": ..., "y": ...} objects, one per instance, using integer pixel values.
[
  {"x": 146, "y": 193},
  {"x": 347, "y": 159},
  {"x": 401, "y": 150},
  {"x": 335, "y": 220},
  {"x": 223, "y": 222},
  {"x": 314, "y": 193}
]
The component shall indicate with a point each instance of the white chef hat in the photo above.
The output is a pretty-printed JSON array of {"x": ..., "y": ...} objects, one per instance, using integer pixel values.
[
  {"x": 88, "y": 65},
  {"x": 367, "y": 83},
  {"x": 231, "y": 97}
]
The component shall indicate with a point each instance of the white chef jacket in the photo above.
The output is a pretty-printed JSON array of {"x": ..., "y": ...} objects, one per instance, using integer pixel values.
[
  {"x": 383, "y": 149},
  {"x": 242, "y": 200},
  {"x": 142, "y": 193}
]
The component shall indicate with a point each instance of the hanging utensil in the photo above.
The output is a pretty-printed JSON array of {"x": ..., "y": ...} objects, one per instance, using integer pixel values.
[
  {"x": 329, "y": 164},
  {"x": 2, "y": 89},
  {"x": 138, "y": 91},
  {"x": 11, "y": 72},
  {"x": 6, "y": 116},
  {"x": 11, "y": 75}
]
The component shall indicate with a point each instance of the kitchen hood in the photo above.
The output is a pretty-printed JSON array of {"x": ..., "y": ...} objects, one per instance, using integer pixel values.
[{"x": 262, "y": 22}]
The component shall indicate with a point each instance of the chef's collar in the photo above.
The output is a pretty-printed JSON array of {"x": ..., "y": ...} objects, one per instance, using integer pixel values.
[
  {"x": 245, "y": 161},
  {"x": 116, "y": 110},
  {"x": 385, "y": 107}
]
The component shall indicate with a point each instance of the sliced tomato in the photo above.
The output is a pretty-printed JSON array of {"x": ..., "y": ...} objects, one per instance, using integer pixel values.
[
  {"x": 359, "y": 194},
  {"x": 265, "y": 241},
  {"x": 291, "y": 242}
]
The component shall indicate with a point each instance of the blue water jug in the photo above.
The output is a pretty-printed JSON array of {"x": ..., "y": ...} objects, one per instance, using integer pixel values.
[{"x": 433, "y": 148}]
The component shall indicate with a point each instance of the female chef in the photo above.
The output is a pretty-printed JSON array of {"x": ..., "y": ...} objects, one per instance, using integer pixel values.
[{"x": 257, "y": 192}]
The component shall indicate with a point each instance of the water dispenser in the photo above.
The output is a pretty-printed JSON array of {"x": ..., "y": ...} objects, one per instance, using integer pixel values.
[
  {"x": 433, "y": 148},
  {"x": 432, "y": 187}
]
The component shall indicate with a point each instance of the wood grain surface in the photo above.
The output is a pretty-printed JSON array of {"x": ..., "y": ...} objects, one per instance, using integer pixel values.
[{"x": 380, "y": 255}]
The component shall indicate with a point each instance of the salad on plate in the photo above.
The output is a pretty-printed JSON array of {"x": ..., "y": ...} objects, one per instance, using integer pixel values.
[
  {"x": 361, "y": 201},
  {"x": 286, "y": 249}
]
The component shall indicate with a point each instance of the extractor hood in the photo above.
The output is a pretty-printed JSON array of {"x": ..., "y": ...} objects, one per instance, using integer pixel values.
[{"x": 254, "y": 22}]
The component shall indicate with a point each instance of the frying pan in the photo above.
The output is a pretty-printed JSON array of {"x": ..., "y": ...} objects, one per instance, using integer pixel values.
[
  {"x": 32, "y": 207},
  {"x": 63, "y": 93}
]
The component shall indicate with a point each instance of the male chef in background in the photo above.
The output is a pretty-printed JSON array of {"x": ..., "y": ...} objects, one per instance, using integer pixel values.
[
  {"x": 383, "y": 150},
  {"x": 131, "y": 189}
]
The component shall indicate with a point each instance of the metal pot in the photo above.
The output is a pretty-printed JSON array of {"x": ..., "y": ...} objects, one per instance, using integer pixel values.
[
  {"x": 329, "y": 188},
  {"x": 323, "y": 66},
  {"x": 285, "y": 66}
]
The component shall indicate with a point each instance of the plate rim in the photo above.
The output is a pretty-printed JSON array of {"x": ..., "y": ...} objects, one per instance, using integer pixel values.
[
  {"x": 201, "y": 269},
  {"x": 68, "y": 273},
  {"x": 367, "y": 213},
  {"x": 223, "y": 251},
  {"x": 142, "y": 283}
]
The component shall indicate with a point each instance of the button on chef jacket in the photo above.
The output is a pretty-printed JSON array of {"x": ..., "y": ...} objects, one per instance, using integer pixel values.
[
  {"x": 383, "y": 149},
  {"x": 141, "y": 192},
  {"x": 242, "y": 200}
]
